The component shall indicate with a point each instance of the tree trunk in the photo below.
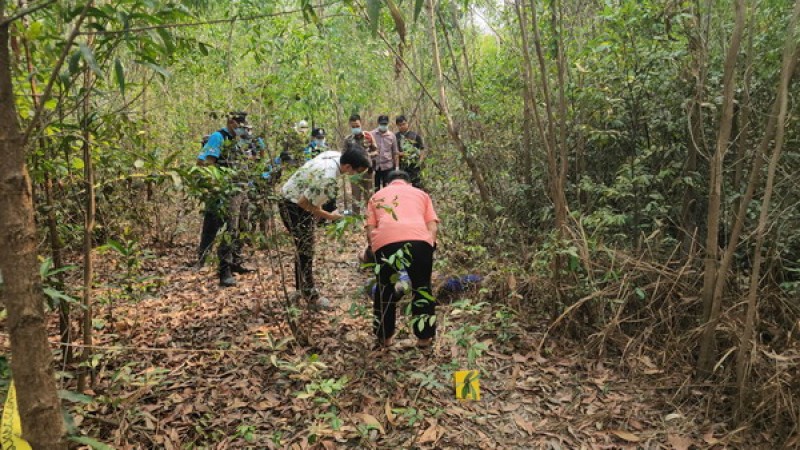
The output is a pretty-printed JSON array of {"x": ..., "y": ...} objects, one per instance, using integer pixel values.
[
  {"x": 697, "y": 73},
  {"x": 743, "y": 357},
  {"x": 528, "y": 96},
  {"x": 64, "y": 324},
  {"x": 452, "y": 129},
  {"x": 711, "y": 308},
  {"x": 31, "y": 361},
  {"x": 88, "y": 232}
]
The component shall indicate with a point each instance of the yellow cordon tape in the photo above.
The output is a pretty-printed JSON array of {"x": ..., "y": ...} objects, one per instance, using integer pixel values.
[{"x": 10, "y": 425}]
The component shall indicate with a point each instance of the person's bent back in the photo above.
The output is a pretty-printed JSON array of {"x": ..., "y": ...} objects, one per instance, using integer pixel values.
[{"x": 402, "y": 217}]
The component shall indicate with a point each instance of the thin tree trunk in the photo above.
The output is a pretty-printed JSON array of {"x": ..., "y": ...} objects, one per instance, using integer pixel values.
[
  {"x": 711, "y": 308},
  {"x": 452, "y": 129},
  {"x": 743, "y": 357},
  {"x": 31, "y": 361},
  {"x": 531, "y": 115},
  {"x": 64, "y": 325},
  {"x": 557, "y": 194},
  {"x": 698, "y": 70},
  {"x": 89, "y": 220}
]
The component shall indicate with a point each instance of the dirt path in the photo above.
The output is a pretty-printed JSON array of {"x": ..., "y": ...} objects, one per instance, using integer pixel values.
[{"x": 202, "y": 367}]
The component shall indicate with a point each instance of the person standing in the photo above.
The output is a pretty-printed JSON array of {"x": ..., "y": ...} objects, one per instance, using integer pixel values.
[
  {"x": 314, "y": 148},
  {"x": 303, "y": 195},
  {"x": 401, "y": 217},
  {"x": 412, "y": 151},
  {"x": 388, "y": 153},
  {"x": 361, "y": 141},
  {"x": 317, "y": 144},
  {"x": 222, "y": 210}
]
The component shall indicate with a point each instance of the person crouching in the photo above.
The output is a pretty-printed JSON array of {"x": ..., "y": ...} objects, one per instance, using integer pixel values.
[{"x": 401, "y": 229}]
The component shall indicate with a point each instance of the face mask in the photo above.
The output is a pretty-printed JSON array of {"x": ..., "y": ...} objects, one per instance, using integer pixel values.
[
  {"x": 240, "y": 131},
  {"x": 356, "y": 130},
  {"x": 320, "y": 142},
  {"x": 383, "y": 128}
]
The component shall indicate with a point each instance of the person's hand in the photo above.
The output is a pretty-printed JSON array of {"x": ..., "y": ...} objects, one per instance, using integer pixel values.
[{"x": 335, "y": 216}]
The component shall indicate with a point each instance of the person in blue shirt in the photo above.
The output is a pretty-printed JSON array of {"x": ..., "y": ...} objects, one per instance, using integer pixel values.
[
  {"x": 220, "y": 150},
  {"x": 317, "y": 144}
]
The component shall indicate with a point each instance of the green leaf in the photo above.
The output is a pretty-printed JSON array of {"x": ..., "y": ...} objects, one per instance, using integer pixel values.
[
  {"x": 34, "y": 30},
  {"x": 111, "y": 243},
  {"x": 74, "y": 63},
  {"x": 58, "y": 295},
  {"x": 75, "y": 397},
  {"x": 45, "y": 266},
  {"x": 158, "y": 69},
  {"x": 119, "y": 73},
  {"x": 374, "y": 14},
  {"x": 91, "y": 442},
  {"x": 166, "y": 38},
  {"x": 418, "y": 8},
  {"x": 88, "y": 56}
]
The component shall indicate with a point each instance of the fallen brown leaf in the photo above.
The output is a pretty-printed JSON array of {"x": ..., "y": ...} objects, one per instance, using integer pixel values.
[
  {"x": 626, "y": 436},
  {"x": 430, "y": 435},
  {"x": 679, "y": 442},
  {"x": 369, "y": 419},
  {"x": 524, "y": 424}
]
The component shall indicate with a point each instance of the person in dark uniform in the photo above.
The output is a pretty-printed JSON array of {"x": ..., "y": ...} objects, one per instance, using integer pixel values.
[
  {"x": 222, "y": 211},
  {"x": 412, "y": 151}
]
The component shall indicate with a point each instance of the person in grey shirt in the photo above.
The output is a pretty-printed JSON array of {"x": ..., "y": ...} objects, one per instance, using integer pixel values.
[{"x": 388, "y": 157}]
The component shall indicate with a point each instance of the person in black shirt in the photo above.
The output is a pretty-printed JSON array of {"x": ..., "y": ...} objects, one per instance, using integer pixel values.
[{"x": 412, "y": 151}]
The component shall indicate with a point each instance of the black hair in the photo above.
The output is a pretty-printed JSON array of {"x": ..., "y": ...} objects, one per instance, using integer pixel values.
[
  {"x": 356, "y": 158},
  {"x": 354, "y": 117},
  {"x": 398, "y": 175},
  {"x": 400, "y": 119},
  {"x": 383, "y": 118}
]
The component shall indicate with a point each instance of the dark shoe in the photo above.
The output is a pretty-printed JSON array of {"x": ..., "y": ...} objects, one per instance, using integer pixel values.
[
  {"x": 226, "y": 278},
  {"x": 227, "y": 281},
  {"x": 238, "y": 268}
]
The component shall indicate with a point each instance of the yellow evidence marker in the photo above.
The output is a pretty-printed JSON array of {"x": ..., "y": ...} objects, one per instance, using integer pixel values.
[
  {"x": 468, "y": 385},
  {"x": 10, "y": 425}
]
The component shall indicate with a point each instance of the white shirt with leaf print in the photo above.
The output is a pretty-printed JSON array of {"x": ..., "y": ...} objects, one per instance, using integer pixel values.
[{"x": 316, "y": 180}]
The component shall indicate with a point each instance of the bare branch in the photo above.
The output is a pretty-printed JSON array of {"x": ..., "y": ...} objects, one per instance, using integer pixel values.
[
  {"x": 26, "y": 11},
  {"x": 209, "y": 22},
  {"x": 54, "y": 74}
]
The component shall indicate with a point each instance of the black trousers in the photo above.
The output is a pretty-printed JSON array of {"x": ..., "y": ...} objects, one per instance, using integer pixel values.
[
  {"x": 228, "y": 251},
  {"x": 380, "y": 179},
  {"x": 300, "y": 224},
  {"x": 330, "y": 206},
  {"x": 423, "y": 307}
]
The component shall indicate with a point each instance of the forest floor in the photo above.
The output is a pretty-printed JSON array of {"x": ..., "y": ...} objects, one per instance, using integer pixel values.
[{"x": 197, "y": 366}]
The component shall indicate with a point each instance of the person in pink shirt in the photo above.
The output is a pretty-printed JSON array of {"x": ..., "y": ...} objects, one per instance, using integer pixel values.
[{"x": 401, "y": 218}]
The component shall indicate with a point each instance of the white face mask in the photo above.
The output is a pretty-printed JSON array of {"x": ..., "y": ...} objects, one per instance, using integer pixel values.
[
  {"x": 240, "y": 131},
  {"x": 320, "y": 142}
]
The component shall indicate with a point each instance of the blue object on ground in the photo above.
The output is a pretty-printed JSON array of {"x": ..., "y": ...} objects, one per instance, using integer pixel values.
[{"x": 460, "y": 284}]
